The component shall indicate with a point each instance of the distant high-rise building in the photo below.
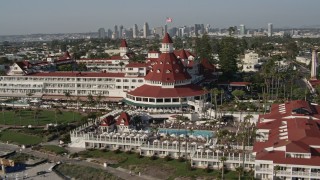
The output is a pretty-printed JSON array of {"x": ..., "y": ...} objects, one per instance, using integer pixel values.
[
  {"x": 121, "y": 31},
  {"x": 173, "y": 31},
  {"x": 242, "y": 29},
  {"x": 109, "y": 34},
  {"x": 146, "y": 30},
  {"x": 158, "y": 31},
  {"x": 314, "y": 65},
  {"x": 135, "y": 31},
  {"x": 102, "y": 33},
  {"x": 196, "y": 29},
  {"x": 202, "y": 29},
  {"x": 207, "y": 28},
  {"x": 270, "y": 29},
  {"x": 115, "y": 32},
  {"x": 181, "y": 31}
]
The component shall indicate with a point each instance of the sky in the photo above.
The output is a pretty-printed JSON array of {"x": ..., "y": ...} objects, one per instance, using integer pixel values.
[{"x": 74, "y": 16}]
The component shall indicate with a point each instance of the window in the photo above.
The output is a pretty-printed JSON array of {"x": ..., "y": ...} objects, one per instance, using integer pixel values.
[
  {"x": 125, "y": 80},
  {"x": 118, "y": 87},
  {"x": 140, "y": 81},
  {"x": 125, "y": 87},
  {"x": 141, "y": 69},
  {"x": 130, "y": 69},
  {"x": 159, "y": 100},
  {"x": 145, "y": 99},
  {"x": 138, "y": 99},
  {"x": 132, "y": 87},
  {"x": 167, "y": 100},
  {"x": 133, "y": 80},
  {"x": 151, "y": 100},
  {"x": 118, "y": 80}
]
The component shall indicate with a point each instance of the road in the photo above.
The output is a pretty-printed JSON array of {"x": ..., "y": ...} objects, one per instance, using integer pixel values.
[{"x": 116, "y": 172}]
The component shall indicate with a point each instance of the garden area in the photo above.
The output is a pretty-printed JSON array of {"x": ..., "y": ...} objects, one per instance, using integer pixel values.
[
  {"x": 162, "y": 168},
  {"x": 37, "y": 117},
  {"x": 83, "y": 172}
]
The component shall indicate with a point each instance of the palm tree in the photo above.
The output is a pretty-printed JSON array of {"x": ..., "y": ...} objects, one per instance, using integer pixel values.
[
  {"x": 215, "y": 93},
  {"x": 222, "y": 160},
  {"x": 251, "y": 173},
  {"x": 121, "y": 64},
  {"x": 56, "y": 112},
  {"x": 240, "y": 170},
  {"x": 67, "y": 94},
  {"x": 36, "y": 114},
  {"x": 16, "y": 113},
  {"x": 276, "y": 169},
  {"x": 4, "y": 120}
]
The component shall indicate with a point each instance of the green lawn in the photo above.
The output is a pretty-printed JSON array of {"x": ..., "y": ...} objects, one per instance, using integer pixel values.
[
  {"x": 54, "y": 149},
  {"x": 159, "y": 168},
  {"x": 19, "y": 138},
  {"x": 45, "y": 117}
]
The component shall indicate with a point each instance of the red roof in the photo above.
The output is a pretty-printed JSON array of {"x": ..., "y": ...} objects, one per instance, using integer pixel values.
[
  {"x": 108, "y": 121},
  {"x": 158, "y": 91},
  {"x": 178, "y": 52},
  {"x": 124, "y": 119},
  {"x": 168, "y": 69},
  {"x": 78, "y": 74},
  {"x": 183, "y": 54},
  {"x": 297, "y": 133},
  {"x": 207, "y": 65},
  {"x": 167, "y": 39},
  {"x": 123, "y": 43}
]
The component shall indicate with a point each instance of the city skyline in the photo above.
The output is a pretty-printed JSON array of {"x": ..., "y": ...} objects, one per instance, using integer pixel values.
[{"x": 35, "y": 16}]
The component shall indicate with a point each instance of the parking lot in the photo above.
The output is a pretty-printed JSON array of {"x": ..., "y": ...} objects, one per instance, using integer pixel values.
[{"x": 39, "y": 172}]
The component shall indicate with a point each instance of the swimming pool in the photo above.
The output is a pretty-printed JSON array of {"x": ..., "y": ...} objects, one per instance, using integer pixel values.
[{"x": 177, "y": 132}]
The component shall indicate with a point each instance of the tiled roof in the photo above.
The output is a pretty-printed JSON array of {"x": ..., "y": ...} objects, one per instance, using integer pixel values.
[
  {"x": 124, "y": 118},
  {"x": 168, "y": 69},
  {"x": 158, "y": 91},
  {"x": 108, "y": 121},
  {"x": 123, "y": 43},
  {"x": 167, "y": 39},
  {"x": 297, "y": 133}
]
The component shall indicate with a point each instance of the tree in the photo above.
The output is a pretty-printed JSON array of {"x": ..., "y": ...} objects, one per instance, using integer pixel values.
[
  {"x": 214, "y": 92},
  {"x": 203, "y": 48},
  {"x": 227, "y": 57},
  {"x": 57, "y": 111},
  {"x": 222, "y": 160},
  {"x": 121, "y": 64},
  {"x": 238, "y": 94},
  {"x": 36, "y": 114},
  {"x": 67, "y": 94},
  {"x": 240, "y": 170},
  {"x": 276, "y": 169}
]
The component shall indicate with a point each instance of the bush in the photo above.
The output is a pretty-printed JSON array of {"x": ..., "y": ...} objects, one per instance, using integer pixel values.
[
  {"x": 181, "y": 159},
  {"x": 129, "y": 152},
  {"x": 104, "y": 150},
  {"x": 167, "y": 158},
  {"x": 207, "y": 169},
  {"x": 117, "y": 151},
  {"x": 153, "y": 157},
  {"x": 74, "y": 155},
  {"x": 139, "y": 156},
  {"x": 190, "y": 167}
]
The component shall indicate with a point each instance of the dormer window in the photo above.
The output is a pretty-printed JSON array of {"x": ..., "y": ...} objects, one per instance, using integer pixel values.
[
  {"x": 174, "y": 62},
  {"x": 168, "y": 71},
  {"x": 158, "y": 71},
  {"x": 167, "y": 63},
  {"x": 177, "y": 70},
  {"x": 151, "y": 70},
  {"x": 161, "y": 62}
]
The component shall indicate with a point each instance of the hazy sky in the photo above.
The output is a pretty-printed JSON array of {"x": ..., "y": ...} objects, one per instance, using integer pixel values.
[{"x": 61, "y": 16}]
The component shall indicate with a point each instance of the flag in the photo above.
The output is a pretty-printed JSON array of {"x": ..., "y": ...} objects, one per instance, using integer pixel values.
[{"x": 169, "y": 20}]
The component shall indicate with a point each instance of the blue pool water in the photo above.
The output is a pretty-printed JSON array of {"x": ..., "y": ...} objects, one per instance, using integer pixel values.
[{"x": 183, "y": 131}]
